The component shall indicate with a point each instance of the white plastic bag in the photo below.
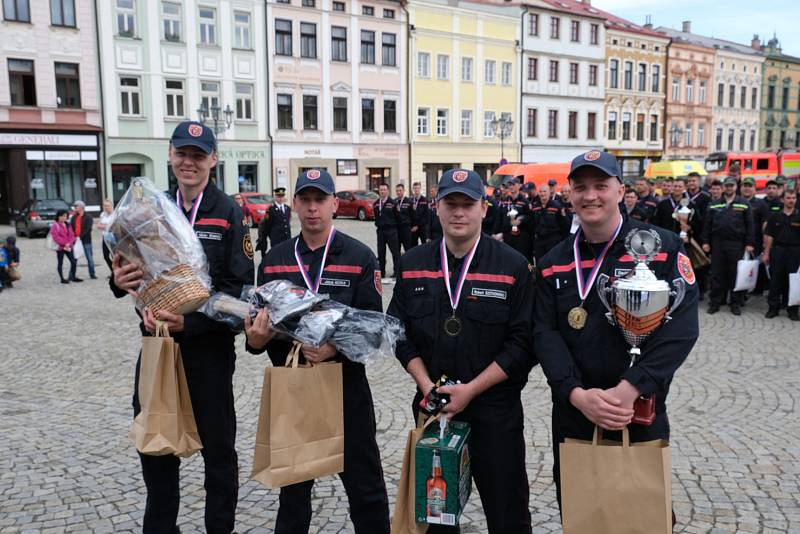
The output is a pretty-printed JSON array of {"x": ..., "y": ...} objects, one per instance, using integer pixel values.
[
  {"x": 51, "y": 243},
  {"x": 794, "y": 289},
  {"x": 746, "y": 273},
  {"x": 77, "y": 249}
]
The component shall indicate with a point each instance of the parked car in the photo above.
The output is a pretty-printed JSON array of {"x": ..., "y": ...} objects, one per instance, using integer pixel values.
[
  {"x": 356, "y": 203},
  {"x": 37, "y": 215},
  {"x": 258, "y": 204}
]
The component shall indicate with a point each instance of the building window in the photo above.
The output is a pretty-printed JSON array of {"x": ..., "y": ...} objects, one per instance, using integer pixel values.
[
  {"x": 209, "y": 95},
  {"x": 488, "y": 119},
  {"x": 591, "y": 125},
  {"x": 687, "y": 141},
  {"x": 347, "y": 167},
  {"x": 702, "y": 99},
  {"x": 533, "y": 68},
  {"x": 552, "y": 124},
  {"x": 367, "y": 47},
  {"x": 442, "y": 67},
  {"x": 249, "y": 173},
  {"x": 423, "y": 116},
  {"x": 701, "y": 135},
  {"x": 241, "y": 30},
  {"x": 308, "y": 40},
  {"x": 642, "y": 77},
  {"x": 628, "y": 80},
  {"x": 742, "y": 136},
  {"x": 719, "y": 139},
  {"x": 572, "y": 125},
  {"x": 423, "y": 65},
  {"x": 531, "y": 131},
  {"x": 655, "y": 71},
  {"x": 784, "y": 99},
  {"x": 594, "y": 34},
  {"x": 466, "y": 69},
  {"x": 732, "y": 96},
  {"x": 573, "y": 73},
  {"x": 368, "y": 10},
  {"x": 126, "y": 18},
  {"x": 640, "y": 126},
  {"x": 62, "y": 13},
  {"x": 731, "y": 134},
  {"x": 310, "y": 112},
  {"x": 466, "y": 123},
  {"x": 68, "y": 87},
  {"x": 771, "y": 97},
  {"x": 505, "y": 76},
  {"x": 612, "y": 125},
  {"x": 283, "y": 37},
  {"x": 690, "y": 91},
  {"x": 171, "y": 13},
  {"x": 754, "y": 99},
  {"x": 389, "y": 50},
  {"x": 626, "y": 126},
  {"x": 208, "y": 26},
  {"x": 339, "y": 114},
  {"x": 721, "y": 94},
  {"x": 554, "y": 70},
  {"x": 676, "y": 89},
  {"x": 389, "y": 116},
  {"x": 388, "y": 13},
  {"x": 338, "y": 6},
  {"x": 613, "y": 74},
  {"x": 309, "y": 3},
  {"x": 489, "y": 66},
  {"x": 674, "y": 134},
  {"x": 753, "y": 140},
  {"x": 175, "y": 98},
  {"x": 16, "y": 10},
  {"x": 284, "y": 1},
  {"x": 338, "y": 43},
  {"x": 593, "y": 75},
  {"x": 555, "y": 27},
  {"x": 130, "y": 96},
  {"x": 769, "y": 139},
  {"x": 367, "y": 115},
  {"x": 244, "y": 101},
  {"x": 533, "y": 24},
  {"x": 575, "y": 31},
  {"x": 285, "y": 112},
  {"x": 743, "y": 99},
  {"x": 441, "y": 121}
]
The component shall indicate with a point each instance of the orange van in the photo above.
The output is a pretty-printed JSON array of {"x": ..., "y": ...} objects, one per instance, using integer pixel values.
[
  {"x": 538, "y": 173},
  {"x": 761, "y": 166}
]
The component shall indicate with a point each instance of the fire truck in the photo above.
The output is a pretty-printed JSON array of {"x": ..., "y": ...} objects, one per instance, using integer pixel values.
[{"x": 761, "y": 166}]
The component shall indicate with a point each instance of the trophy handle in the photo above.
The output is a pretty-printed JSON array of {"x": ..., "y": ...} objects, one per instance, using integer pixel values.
[
  {"x": 602, "y": 291},
  {"x": 679, "y": 292}
]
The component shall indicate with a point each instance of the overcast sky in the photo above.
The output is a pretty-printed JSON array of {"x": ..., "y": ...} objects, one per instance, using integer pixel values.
[{"x": 735, "y": 20}]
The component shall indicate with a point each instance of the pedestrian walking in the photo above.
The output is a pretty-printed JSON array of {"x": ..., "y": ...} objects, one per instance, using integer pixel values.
[
  {"x": 82, "y": 227},
  {"x": 104, "y": 225},
  {"x": 64, "y": 237}
]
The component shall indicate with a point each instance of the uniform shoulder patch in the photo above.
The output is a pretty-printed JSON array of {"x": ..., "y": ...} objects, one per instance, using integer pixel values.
[
  {"x": 378, "y": 285},
  {"x": 685, "y": 268},
  {"x": 247, "y": 245}
]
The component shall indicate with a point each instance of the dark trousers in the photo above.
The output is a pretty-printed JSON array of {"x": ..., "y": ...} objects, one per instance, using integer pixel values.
[
  {"x": 542, "y": 245},
  {"x": 497, "y": 460},
  {"x": 73, "y": 263},
  {"x": 363, "y": 475},
  {"x": 404, "y": 236},
  {"x": 107, "y": 255},
  {"x": 725, "y": 256},
  {"x": 209, "y": 374},
  {"x": 388, "y": 236},
  {"x": 782, "y": 262},
  {"x": 418, "y": 237},
  {"x": 522, "y": 242}
]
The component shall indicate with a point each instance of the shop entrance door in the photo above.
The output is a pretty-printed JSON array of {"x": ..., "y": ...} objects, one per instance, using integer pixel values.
[
  {"x": 434, "y": 171},
  {"x": 376, "y": 176},
  {"x": 121, "y": 175},
  {"x": 4, "y": 190}
]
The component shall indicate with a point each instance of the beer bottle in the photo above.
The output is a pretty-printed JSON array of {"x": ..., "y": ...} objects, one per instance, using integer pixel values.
[{"x": 436, "y": 488}]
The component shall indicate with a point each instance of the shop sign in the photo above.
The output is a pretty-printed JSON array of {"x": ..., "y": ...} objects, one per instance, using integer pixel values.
[
  {"x": 90, "y": 183},
  {"x": 62, "y": 156},
  {"x": 241, "y": 155},
  {"x": 312, "y": 152},
  {"x": 45, "y": 139}
]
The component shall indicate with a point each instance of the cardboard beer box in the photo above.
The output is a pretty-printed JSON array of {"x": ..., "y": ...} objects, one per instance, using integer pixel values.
[{"x": 442, "y": 474}]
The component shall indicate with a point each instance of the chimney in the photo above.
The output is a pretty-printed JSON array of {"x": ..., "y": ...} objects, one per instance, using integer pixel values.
[
  {"x": 587, "y": 2},
  {"x": 687, "y": 26},
  {"x": 755, "y": 43},
  {"x": 648, "y": 24}
]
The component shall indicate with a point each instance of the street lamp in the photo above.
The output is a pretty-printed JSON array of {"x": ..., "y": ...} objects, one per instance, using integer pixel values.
[
  {"x": 203, "y": 115},
  {"x": 502, "y": 127}
]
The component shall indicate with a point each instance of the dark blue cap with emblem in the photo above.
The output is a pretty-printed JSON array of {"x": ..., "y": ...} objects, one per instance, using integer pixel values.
[
  {"x": 192, "y": 133},
  {"x": 602, "y": 161},
  {"x": 461, "y": 181},
  {"x": 317, "y": 178}
]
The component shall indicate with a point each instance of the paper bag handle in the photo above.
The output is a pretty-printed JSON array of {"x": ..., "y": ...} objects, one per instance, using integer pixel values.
[
  {"x": 162, "y": 330},
  {"x": 429, "y": 421},
  {"x": 598, "y": 436},
  {"x": 293, "y": 358}
]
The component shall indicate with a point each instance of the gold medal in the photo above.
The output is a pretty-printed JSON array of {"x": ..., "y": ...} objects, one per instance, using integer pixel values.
[
  {"x": 577, "y": 317},
  {"x": 452, "y": 326}
]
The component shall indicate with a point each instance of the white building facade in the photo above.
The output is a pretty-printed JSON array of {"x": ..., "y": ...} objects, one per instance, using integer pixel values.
[{"x": 737, "y": 97}]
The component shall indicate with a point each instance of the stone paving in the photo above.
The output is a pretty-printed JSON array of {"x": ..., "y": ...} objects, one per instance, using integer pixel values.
[{"x": 67, "y": 355}]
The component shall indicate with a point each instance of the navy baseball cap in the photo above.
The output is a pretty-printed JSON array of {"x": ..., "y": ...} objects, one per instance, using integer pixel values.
[
  {"x": 192, "y": 133},
  {"x": 510, "y": 180},
  {"x": 598, "y": 159},
  {"x": 461, "y": 181},
  {"x": 318, "y": 178}
]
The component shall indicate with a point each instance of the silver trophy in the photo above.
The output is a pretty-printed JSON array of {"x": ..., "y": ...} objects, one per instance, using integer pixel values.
[
  {"x": 683, "y": 215},
  {"x": 638, "y": 303},
  {"x": 512, "y": 215}
]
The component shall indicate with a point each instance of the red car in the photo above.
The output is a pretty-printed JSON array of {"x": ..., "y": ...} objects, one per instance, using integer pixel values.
[
  {"x": 258, "y": 204},
  {"x": 357, "y": 203}
]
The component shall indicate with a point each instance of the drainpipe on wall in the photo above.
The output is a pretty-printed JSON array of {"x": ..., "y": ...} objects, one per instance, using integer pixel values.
[
  {"x": 409, "y": 118},
  {"x": 268, "y": 106},
  {"x": 521, "y": 76},
  {"x": 102, "y": 136}
]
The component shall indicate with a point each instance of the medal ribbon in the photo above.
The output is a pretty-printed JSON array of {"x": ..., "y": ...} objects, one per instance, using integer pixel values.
[
  {"x": 195, "y": 205},
  {"x": 461, "y": 277},
  {"x": 584, "y": 288},
  {"x": 315, "y": 286}
]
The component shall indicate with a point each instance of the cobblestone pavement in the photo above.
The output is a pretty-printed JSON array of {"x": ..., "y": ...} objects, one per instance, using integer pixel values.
[{"x": 67, "y": 357}]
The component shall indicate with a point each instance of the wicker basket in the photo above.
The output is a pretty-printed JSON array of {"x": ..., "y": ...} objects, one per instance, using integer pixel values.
[{"x": 178, "y": 290}]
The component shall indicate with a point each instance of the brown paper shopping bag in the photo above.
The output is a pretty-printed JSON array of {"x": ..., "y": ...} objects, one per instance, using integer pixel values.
[
  {"x": 165, "y": 424},
  {"x": 404, "y": 520},
  {"x": 300, "y": 432},
  {"x": 612, "y": 487}
]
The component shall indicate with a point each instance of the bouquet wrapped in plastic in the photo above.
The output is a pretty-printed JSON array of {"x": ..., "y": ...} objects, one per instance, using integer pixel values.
[{"x": 149, "y": 230}]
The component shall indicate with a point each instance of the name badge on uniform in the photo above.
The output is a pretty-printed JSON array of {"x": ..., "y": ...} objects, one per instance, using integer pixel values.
[
  {"x": 489, "y": 293},
  {"x": 214, "y": 236},
  {"x": 621, "y": 273},
  {"x": 335, "y": 282}
]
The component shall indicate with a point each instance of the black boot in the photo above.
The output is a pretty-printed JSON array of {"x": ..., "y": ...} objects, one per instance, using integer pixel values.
[
  {"x": 64, "y": 281},
  {"x": 712, "y": 309},
  {"x": 771, "y": 313},
  {"x": 736, "y": 309}
]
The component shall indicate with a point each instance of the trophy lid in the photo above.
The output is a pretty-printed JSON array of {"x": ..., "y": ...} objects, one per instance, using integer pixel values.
[{"x": 642, "y": 244}]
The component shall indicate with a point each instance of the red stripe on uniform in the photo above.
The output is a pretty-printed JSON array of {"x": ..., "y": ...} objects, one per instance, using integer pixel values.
[
  {"x": 354, "y": 269},
  {"x": 661, "y": 256},
  {"x": 214, "y": 222},
  {"x": 281, "y": 269},
  {"x": 500, "y": 278},
  {"x": 585, "y": 264},
  {"x": 422, "y": 274}
]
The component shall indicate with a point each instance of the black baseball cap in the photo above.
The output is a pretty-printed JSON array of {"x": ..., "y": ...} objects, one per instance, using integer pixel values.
[
  {"x": 318, "y": 178},
  {"x": 461, "y": 181},
  {"x": 729, "y": 180},
  {"x": 598, "y": 159},
  {"x": 193, "y": 133},
  {"x": 552, "y": 182}
]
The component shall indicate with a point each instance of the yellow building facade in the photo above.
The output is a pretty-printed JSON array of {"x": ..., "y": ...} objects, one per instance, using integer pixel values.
[{"x": 463, "y": 86}]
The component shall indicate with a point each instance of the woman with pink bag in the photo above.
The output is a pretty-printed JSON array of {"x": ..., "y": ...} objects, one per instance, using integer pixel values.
[{"x": 64, "y": 238}]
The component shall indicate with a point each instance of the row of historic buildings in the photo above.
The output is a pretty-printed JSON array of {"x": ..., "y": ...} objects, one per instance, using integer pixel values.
[{"x": 371, "y": 90}]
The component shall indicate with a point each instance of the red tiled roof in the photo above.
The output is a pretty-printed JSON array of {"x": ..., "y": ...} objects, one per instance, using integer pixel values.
[{"x": 612, "y": 21}]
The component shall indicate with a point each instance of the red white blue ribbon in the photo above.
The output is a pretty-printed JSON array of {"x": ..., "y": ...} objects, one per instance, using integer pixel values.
[
  {"x": 461, "y": 277},
  {"x": 195, "y": 205},
  {"x": 315, "y": 286},
  {"x": 584, "y": 288}
]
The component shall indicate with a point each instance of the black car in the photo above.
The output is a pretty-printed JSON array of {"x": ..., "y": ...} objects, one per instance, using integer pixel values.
[{"x": 37, "y": 215}]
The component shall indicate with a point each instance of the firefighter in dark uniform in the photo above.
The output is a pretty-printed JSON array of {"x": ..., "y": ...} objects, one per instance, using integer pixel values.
[
  {"x": 647, "y": 200},
  {"x": 549, "y": 223},
  {"x": 728, "y": 232},
  {"x": 491, "y": 214},
  {"x": 773, "y": 197},
  {"x": 206, "y": 345},
  {"x": 346, "y": 270},
  {"x": 761, "y": 214},
  {"x": 402, "y": 205},
  {"x": 665, "y": 211},
  {"x": 466, "y": 301},
  {"x": 516, "y": 233},
  {"x": 701, "y": 200},
  {"x": 434, "y": 224},
  {"x": 276, "y": 224},
  {"x": 386, "y": 228},
  {"x": 630, "y": 207},
  {"x": 584, "y": 358},
  {"x": 782, "y": 253},
  {"x": 420, "y": 214}
]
